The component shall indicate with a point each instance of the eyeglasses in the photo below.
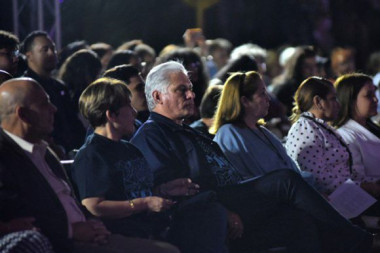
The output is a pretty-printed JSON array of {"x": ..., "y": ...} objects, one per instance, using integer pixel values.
[{"x": 10, "y": 54}]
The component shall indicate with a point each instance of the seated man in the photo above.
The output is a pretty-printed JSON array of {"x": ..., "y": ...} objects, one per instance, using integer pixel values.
[
  {"x": 33, "y": 183},
  {"x": 266, "y": 207},
  {"x": 115, "y": 183}
]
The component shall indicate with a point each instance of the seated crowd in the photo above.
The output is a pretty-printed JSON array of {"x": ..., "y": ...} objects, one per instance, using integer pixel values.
[{"x": 203, "y": 148}]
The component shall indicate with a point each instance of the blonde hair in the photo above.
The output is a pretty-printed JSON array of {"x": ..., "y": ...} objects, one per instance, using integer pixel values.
[{"x": 229, "y": 108}]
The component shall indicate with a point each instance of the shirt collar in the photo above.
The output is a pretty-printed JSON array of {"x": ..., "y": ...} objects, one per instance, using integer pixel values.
[
  {"x": 27, "y": 146},
  {"x": 165, "y": 120}
]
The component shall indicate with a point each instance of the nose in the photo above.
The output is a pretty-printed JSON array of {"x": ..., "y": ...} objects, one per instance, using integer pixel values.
[{"x": 190, "y": 94}]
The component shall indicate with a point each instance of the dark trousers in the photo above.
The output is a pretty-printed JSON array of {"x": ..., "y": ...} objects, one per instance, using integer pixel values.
[
  {"x": 196, "y": 225},
  {"x": 280, "y": 206}
]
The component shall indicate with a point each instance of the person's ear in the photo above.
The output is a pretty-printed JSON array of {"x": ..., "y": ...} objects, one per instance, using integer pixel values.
[
  {"x": 317, "y": 101},
  {"x": 157, "y": 96},
  {"x": 244, "y": 101},
  {"x": 111, "y": 116},
  {"x": 23, "y": 114},
  {"x": 28, "y": 55}
]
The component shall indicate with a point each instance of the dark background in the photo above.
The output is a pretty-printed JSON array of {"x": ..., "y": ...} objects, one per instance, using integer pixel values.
[{"x": 269, "y": 23}]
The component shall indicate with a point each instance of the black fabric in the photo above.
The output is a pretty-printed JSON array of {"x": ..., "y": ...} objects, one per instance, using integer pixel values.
[{"x": 24, "y": 192}]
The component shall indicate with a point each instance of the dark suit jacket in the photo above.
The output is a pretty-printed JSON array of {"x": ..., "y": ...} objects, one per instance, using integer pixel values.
[{"x": 25, "y": 192}]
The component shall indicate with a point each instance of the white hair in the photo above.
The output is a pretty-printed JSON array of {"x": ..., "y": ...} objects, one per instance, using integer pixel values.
[
  {"x": 158, "y": 79},
  {"x": 248, "y": 49}
]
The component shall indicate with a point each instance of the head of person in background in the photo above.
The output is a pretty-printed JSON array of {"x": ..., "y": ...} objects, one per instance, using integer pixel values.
[
  {"x": 242, "y": 63},
  {"x": 343, "y": 61},
  {"x": 207, "y": 109},
  {"x": 356, "y": 94},
  {"x": 9, "y": 45},
  {"x": 255, "y": 51},
  {"x": 69, "y": 50},
  {"x": 78, "y": 71},
  {"x": 131, "y": 76},
  {"x": 40, "y": 52},
  {"x": 104, "y": 52},
  {"x": 219, "y": 51},
  {"x": 193, "y": 63},
  {"x": 124, "y": 57},
  {"x": 317, "y": 96},
  {"x": 301, "y": 65},
  {"x": 147, "y": 54},
  {"x": 244, "y": 101}
]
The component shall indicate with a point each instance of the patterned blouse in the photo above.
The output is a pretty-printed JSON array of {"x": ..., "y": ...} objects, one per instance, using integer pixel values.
[{"x": 318, "y": 149}]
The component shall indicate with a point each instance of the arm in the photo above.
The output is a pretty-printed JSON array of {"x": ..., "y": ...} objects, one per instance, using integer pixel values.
[{"x": 120, "y": 209}]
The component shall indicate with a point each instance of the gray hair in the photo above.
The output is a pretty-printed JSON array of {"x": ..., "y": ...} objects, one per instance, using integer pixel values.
[{"x": 159, "y": 79}]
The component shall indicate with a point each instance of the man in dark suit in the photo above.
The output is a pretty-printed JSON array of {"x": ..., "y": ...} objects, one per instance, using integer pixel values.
[{"x": 33, "y": 183}]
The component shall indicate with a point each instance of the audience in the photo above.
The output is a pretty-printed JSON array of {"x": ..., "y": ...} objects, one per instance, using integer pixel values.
[
  {"x": 358, "y": 103},
  {"x": 239, "y": 129},
  {"x": 115, "y": 183},
  {"x": 264, "y": 212},
  {"x": 34, "y": 184},
  {"x": 316, "y": 146},
  {"x": 269, "y": 204},
  {"x": 41, "y": 57}
]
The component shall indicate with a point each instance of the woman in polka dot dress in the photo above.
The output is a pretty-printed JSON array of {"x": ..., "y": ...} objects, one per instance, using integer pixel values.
[{"x": 314, "y": 144}]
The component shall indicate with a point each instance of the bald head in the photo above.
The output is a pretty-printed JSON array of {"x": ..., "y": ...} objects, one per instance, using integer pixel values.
[
  {"x": 25, "y": 109},
  {"x": 15, "y": 92}
]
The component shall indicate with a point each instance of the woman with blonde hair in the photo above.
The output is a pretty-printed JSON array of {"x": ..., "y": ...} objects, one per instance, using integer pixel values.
[{"x": 240, "y": 131}]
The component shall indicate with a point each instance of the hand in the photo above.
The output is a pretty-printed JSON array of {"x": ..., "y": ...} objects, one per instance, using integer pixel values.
[
  {"x": 179, "y": 187},
  {"x": 158, "y": 204},
  {"x": 235, "y": 226},
  {"x": 18, "y": 224},
  {"x": 194, "y": 37},
  {"x": 90, "y": 231}
]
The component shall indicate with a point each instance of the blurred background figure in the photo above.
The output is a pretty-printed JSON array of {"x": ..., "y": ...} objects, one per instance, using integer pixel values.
[
  {"x": 207, "y": 109},
  {"x": 9, "y": 45},
  {"x": 342, "y": 61},
  {"x": 104, "y": 52},
  {"x": 77, "y": 72}
]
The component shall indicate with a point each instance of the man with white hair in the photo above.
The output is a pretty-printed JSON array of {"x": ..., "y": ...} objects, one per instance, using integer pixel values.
[{"x": 277, "y": 209}]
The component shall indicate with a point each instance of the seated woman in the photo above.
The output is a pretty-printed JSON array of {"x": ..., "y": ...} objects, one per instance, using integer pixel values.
[
  {"x": 315, "y": 145},
  {"x": 252, "y": 148},
  {"x": 356, "y": 94},
  {"x": 114, "y": 182}
]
